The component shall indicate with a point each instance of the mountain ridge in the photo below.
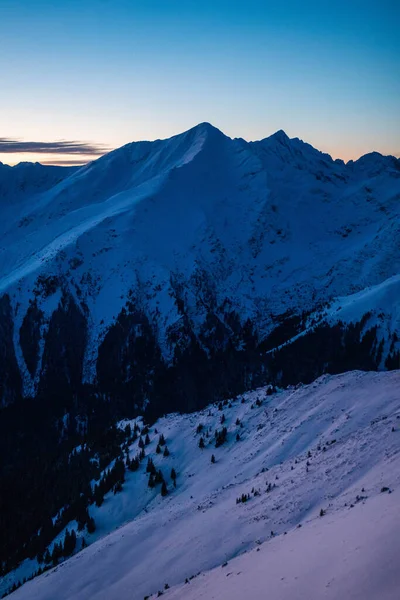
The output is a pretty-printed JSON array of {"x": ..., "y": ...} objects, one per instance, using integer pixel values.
[{"x": 205, "y": 126}]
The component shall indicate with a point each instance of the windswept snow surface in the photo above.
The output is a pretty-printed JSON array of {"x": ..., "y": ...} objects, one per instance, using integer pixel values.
[
  {"x": 350, "y": 555},
  {"x": 330, "y": 445}
]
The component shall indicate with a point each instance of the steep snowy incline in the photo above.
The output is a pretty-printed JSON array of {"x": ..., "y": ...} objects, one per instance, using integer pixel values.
[
  {"x": 98, "y": 191},
  {"x": 331, "y": 445}
]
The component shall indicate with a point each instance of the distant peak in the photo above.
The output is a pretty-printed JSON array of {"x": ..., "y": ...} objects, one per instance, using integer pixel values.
[{"x": 280, "y": 136}]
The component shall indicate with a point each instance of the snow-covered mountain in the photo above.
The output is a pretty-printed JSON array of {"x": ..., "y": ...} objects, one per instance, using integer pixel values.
[
  {"x": 316, "y": 466},
  {"x": 169, "y": 275},
  {"x": 195, "y": 235}
]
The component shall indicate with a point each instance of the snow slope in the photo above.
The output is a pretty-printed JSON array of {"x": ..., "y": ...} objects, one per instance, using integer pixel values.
[
  {"x": 352, "y": 554},
  {"x": 331, "y": 445},
  {"x": 266, "y": 227}
]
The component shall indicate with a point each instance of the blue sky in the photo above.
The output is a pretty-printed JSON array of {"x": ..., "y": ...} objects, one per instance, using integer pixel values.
[{"x": 109, "y": 72}]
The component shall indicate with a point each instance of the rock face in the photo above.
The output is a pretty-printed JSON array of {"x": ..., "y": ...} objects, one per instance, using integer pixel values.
[{"x": 167, "y": 274}]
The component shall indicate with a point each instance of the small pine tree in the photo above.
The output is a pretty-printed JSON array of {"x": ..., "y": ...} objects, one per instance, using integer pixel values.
[
  {"x": 164, "y": 489},
  {"x": 158, "y": 449},
  {"x": 161, "y": 440},
  {"x": 150, "y": 468},
  {"x": 134, "y": 464},
  {"x": 173, "y": 474},
  {"x": 201, "y": 443},
  {"x": 166, "y": 451},
  {"x": 141, "y": 442},
  {"x": 222, "y": 419},
  {"x": 212, "y": 458},
  {"x": 159, "y": 477},
  {"x": 238, "y": 421},
  {"x": 84, "y": 544},
  {"x": 237, "y": 437},
  {"x": 147, "y": 440}
]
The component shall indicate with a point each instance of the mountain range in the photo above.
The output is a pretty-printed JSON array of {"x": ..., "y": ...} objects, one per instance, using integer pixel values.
[
  {"x": 190, "y": 239},
  {"x": 166, "y": 276}
]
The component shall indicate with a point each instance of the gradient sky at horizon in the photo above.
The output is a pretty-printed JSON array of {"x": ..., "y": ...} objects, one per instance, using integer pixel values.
[{"x": 110, "y": 72}]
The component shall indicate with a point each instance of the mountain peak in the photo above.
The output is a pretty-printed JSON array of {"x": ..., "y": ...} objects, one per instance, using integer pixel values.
[
  {"x": 280, "y": 136},
  {"x": 204, "y": 128}
]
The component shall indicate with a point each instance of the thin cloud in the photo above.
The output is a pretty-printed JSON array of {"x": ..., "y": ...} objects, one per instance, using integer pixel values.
[
  {"x": 10, "y": 146},
  {"x": 66, "y": 162}
]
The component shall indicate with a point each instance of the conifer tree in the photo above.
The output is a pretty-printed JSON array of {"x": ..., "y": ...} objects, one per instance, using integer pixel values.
[
  {"x": 150, "y": 468},
  {"x": 166, "y": 451},
  {"x": 159, "y": 477},
  {"x": 164, "y": 490}
]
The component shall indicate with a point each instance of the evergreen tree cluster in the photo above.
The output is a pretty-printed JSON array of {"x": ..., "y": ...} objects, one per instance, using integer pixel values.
[
  {"x": 111, "y": 479},
  {"x": 220, "y": 436}
]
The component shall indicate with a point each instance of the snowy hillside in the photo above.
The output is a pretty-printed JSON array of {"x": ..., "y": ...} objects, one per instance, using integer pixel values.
[{"x": 333, "y": 445}]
